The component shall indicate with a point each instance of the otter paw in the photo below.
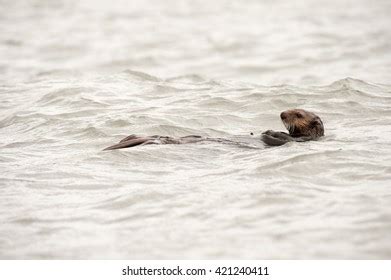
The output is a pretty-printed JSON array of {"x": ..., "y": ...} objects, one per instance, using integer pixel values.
[
  {"x": 282, "y": 135},
  {"x": 268, "y": 132},
  {"x": 272, "y": 140}
]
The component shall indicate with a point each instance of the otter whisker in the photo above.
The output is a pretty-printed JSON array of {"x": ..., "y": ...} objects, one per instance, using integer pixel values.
[
  {"x": 291, "y": 129},
  {"x": 287, "y": 126}
]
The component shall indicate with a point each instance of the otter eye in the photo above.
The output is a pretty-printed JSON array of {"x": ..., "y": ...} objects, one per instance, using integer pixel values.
[{"x": 299, "y": 115}]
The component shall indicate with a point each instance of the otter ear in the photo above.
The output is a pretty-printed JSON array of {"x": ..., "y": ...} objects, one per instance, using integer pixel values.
[{"x": 314, "y": 123}]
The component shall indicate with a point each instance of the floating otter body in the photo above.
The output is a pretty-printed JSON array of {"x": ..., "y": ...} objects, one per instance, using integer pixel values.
[{"x": 302, "y": 126}]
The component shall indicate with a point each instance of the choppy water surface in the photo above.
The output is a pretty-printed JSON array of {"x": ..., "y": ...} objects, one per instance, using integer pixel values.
[{"x": 77, "y": 76}]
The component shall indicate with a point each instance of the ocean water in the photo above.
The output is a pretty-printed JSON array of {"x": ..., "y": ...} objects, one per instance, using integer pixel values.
[{"x": 78, "y": 76}]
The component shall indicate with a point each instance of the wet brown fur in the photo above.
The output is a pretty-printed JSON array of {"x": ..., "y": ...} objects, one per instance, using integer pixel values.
[
  {"x": 302, "y": 123},
  {"x": 302, "y": 126}
]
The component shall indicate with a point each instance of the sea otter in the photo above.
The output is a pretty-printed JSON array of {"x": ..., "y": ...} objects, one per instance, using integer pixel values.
[{"x": 302, "y": 126}]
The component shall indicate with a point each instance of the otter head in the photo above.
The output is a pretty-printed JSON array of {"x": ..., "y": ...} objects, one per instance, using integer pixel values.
[{"x": 301, "y": 123}]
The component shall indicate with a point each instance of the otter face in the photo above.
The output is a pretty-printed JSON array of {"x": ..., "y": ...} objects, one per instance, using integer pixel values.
[{"x": 301, "y": 123}]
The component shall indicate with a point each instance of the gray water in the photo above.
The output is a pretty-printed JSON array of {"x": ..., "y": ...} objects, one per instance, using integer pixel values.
[{"x": 77, "y": 76}]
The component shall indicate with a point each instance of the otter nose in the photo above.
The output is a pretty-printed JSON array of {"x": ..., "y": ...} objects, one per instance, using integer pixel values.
[{"x": 283, "y": 115}]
